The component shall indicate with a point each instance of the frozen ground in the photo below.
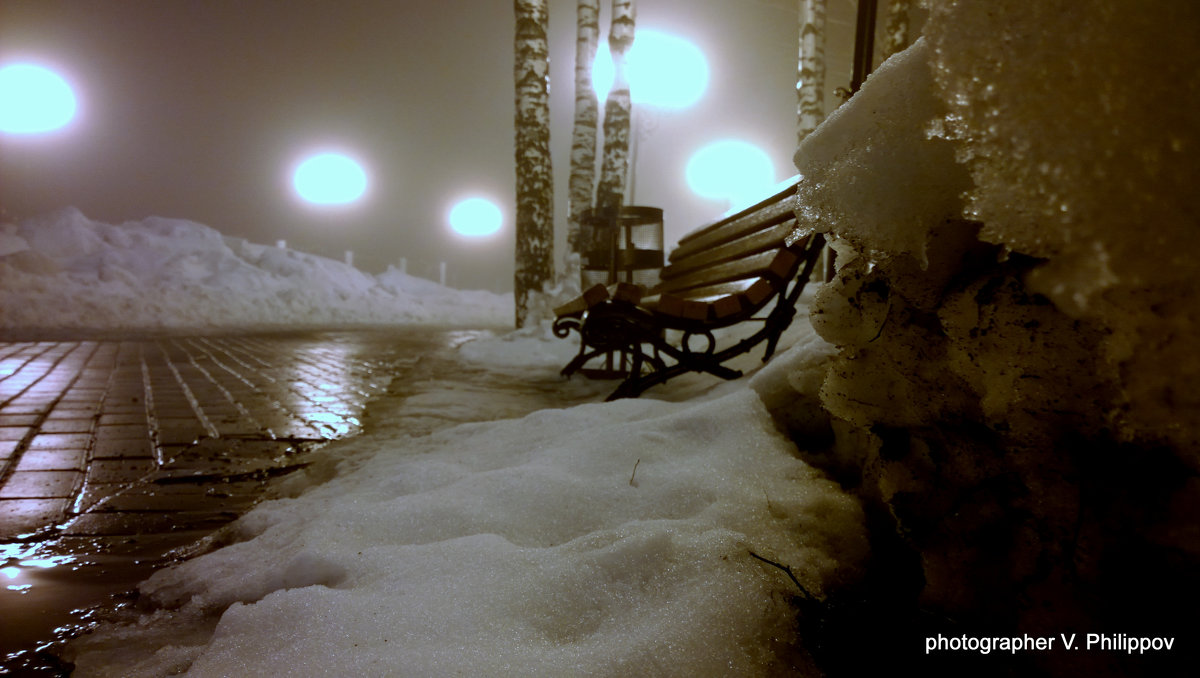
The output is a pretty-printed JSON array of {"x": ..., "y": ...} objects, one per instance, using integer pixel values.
[
  {"x": 472, "y": 530},
  {"x": 600, "y": 539}
]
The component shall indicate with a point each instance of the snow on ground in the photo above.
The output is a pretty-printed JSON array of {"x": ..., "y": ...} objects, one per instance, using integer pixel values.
[
  {"x": 472, "y": 530},
  {"x": 63, "y": 270},
  {"x": 605, "y": 539}
]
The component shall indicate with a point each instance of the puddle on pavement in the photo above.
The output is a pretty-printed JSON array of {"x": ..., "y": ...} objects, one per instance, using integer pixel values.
[
  {"x": 55, "y": 582},
  {"x": 52, "y": 589},
  {"x": 59, "y": 581}
]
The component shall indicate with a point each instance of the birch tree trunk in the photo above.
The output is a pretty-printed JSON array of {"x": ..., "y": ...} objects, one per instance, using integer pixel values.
[
  {"x": 617, "y": 112},
  {"x": 535, "y": 183},
  {"x": 583, "y": 136},
  {"x": 810, "y": 84},
  {"x": 896, "y": 30}
]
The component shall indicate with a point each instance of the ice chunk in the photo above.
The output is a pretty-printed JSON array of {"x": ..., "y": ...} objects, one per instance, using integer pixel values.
[{"x": 872, "y": 174}]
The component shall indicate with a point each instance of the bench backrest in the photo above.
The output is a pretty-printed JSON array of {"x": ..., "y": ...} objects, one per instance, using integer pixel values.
[{"x": 728, "y": 270}]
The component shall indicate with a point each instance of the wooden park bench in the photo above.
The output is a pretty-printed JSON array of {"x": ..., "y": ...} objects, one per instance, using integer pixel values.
[{"x": 724, "y": 274}]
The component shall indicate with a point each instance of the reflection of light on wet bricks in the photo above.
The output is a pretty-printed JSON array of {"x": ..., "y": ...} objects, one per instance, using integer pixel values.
[
  {"x": 115, "y": 456},
  {"x": 18, "y": 564}
]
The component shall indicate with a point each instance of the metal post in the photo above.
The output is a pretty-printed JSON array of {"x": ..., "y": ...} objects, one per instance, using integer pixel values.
[
  {"x": 864, "y": 43},
  {"x": 864, "y": 62}
]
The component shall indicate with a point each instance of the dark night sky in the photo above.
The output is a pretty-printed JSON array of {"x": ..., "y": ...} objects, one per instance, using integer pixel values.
[{"x": 199, "y": 109}]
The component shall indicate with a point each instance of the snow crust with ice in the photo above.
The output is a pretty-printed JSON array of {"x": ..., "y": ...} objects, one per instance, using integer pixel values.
[
  {"x": 1013, "y": 203},
  {"x": 606, "y": 539},
  {"x": 877, "y": 175},
  {"x": 1059, "y": 132},
  {"x": 1078, "y": 123},
  {"x": 65, "y": 271}
]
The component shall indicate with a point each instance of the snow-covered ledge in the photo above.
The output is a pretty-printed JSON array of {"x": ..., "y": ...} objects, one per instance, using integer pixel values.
[
  {"x": 879, "y": 173},
  {"x": 1015, "y": 309}
]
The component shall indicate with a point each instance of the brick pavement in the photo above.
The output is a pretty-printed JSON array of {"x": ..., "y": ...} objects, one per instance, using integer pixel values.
[
  {"x": 81, "y": 419},
  {"x": 115, "y": 452}
]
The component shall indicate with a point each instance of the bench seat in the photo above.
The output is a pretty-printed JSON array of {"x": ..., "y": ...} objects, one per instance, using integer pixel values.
[{"x": 722, "y": 275}]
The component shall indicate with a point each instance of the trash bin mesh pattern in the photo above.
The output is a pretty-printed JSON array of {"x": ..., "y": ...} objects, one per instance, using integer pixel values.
[{"x": 624, "y": 248}]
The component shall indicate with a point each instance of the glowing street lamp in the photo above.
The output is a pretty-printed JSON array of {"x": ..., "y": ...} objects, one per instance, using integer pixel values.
[
  {"x": 330, "y": 179},
  {"x": 34, "y": 99},
  {"x": 664, "y": 70},
  {"x": 732, "y": 170},
  {"x": 476, "y": 218}
]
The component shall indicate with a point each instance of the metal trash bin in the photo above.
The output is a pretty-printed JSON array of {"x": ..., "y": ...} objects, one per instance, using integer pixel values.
[{"x": 622, "y": 247}]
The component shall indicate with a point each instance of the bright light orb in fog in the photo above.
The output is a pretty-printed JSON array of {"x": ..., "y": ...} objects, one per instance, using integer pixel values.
[
  {"x": 330, "y": 179},
  {"x": 663, "y": 70},
  {"x": 34, "y": 99},
  {"x": 476, "y": 218},
  {"x": 732, "y": 170}
]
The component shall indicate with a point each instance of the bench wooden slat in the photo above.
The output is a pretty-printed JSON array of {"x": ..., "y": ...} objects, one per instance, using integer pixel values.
[
  {"x": 629, "y": 293},
  {"x": 590, "y": 297},
  {"x": 727, "y": 306},
  {"x": 751, "y": 293},
  {"x": 678, "y": 307},
  {"x": 741, "y": 269},
  {"x": 776, "y": 265},
  {"x": 720, "y": 311},
  {"x": 784, "y": 195},
  {"x": 770, "y": 239},
  {"x": 724, "y": 274},
  {"x": 758, "y": 293},
  {"x": 744, "y": 223},
  {"x": 706, "y": 293}
]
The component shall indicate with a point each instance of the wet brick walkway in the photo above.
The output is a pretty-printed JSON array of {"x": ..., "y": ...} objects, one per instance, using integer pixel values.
[
  {"x": 113, "y": 453},
  {"x": 79, "y": 420}
]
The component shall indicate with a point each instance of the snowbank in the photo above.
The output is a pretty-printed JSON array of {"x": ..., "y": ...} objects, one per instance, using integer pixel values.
[
  {"x": 64, "y": 270},
  {"x": 878, "y": 176},
  {"x": 1030, "y": 131},
  {"x": 608, "y": 539},
  {"x": 534, "y": 346},
  {"x": 1078, "y": 125},
  {"x": 1013, "y": 202}
]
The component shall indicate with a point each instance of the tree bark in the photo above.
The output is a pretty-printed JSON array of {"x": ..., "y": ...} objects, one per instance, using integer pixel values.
[
  {"x": 810, "y": 84},
  {"x": 583, "y": 138},
  {"x": 535, "y": 182},
  {"x": 617, "y": 112}
]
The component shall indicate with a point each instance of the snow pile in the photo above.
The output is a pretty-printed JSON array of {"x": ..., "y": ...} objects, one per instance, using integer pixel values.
[
  {"x": 877, "y": 175},
  {"x": 882, "y": 180},
  {"x": 1025, "y": 131},
  {"x": 1015, "y": 310},
  {"x": 534, "y": 346},
  {"x": 1078, "y": 123},
  {"x": 605, "y": 540},
  {"x": 64, "y": 270}
]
